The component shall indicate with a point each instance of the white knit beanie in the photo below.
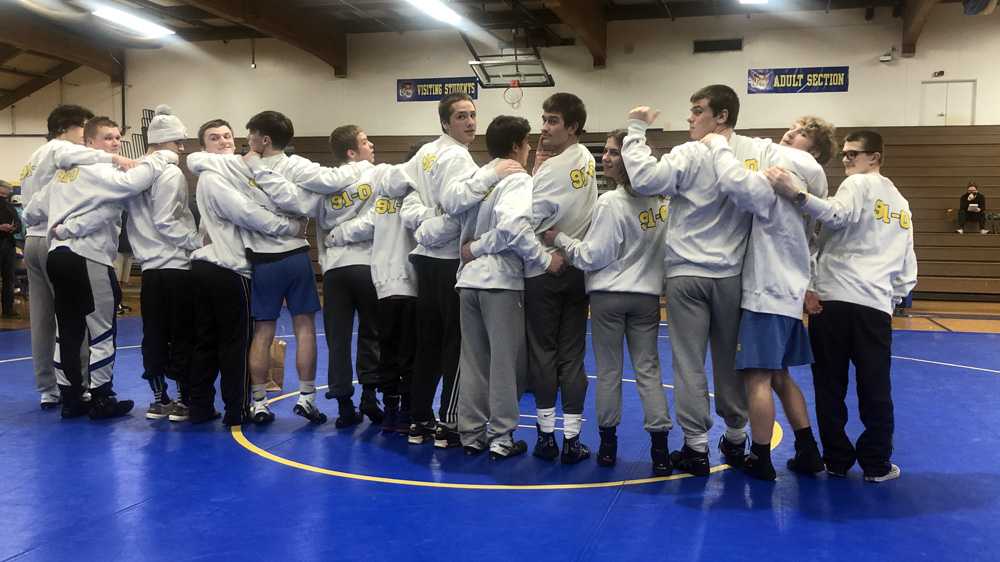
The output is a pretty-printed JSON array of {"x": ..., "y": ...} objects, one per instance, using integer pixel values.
[{"x": 165, "y": 126}]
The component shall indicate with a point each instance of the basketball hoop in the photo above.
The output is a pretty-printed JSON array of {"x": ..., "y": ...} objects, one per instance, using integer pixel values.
[{"x": 513, "y": 94}]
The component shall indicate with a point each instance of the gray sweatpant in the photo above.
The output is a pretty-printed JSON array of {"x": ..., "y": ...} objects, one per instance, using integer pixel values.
[
  {"x": 43, "y": 319},
  {"x": 702, "y": 309},
  {"x": 493, "y": 365},
  {"x": 43, "y": 315},
  {"x": 635, "y": 318}
]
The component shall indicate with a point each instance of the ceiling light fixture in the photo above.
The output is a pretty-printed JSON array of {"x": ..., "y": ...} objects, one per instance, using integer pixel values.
[
  {"x": 437, "y": 10},
  {"x": 135, "y": 24}
]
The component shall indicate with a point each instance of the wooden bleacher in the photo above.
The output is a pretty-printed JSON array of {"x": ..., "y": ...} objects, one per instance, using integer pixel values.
[{"x": 930, "y": 165}]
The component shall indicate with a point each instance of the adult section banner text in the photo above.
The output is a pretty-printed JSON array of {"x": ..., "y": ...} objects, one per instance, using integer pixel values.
[{"x": 797, "y": 80}]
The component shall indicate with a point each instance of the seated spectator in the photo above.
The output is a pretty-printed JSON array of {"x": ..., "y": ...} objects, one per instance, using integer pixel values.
[{"x": 972, "y": 206}]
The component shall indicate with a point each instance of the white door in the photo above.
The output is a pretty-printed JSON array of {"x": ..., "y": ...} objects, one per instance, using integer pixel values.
[
  {"x": 948, "y": 103},
  {"x": 934, "y": 103},
  {"x": 961, "y": 100}
]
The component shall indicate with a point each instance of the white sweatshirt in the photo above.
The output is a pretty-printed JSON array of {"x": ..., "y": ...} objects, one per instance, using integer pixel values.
[
  {"x": 623, "y": 249},
  {"x": 706, "y": 232},
  {"x": 503, "y": 238},
  {"x": 776, "y": 270},
  {"x": 80, "y": 190},
  {"x": 392, "y": 272},
  {"x": 227, "y": 213},
  {"x": 865, "y": 243},
  {"x": 338, "y": 203},
  {"x": 438, "y": 166},
  {"x": 239, "y": 175},
  {"x": 40, "y": 169},
  {"x": 564, "y": 196},
  {"x": 161, "y": 227}
]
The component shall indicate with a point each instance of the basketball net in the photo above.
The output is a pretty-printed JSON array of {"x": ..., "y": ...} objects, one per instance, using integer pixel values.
[{"x": 513, "y": 94}]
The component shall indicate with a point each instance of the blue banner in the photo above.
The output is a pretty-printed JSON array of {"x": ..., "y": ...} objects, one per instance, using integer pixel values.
[
  {"x": 433, "y": 89},
  {"x": 797, "y": 80}
]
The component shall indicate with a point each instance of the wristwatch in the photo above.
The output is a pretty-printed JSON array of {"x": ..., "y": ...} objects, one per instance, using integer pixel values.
[{"x": 800, "y": 198}]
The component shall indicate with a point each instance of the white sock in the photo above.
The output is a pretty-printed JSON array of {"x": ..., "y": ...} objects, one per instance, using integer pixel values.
[
  {"x": 571, "y": 425},
  {"x": 698, "y": 442},
  {"x": 307, "y": 387},
  {"x": 547, "y": 419},
  {"x": 258, "y": 391},
  {"x": 736, "y": 435}
]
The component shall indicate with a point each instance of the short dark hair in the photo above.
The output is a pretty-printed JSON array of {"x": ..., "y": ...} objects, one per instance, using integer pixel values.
[
  {"x": 570, "y": 107},
  {"x": 414, "y": 149},
  {"x": 444, "y": 106},
  {"x": 65, "y": 117},
  {"x": 504, "y": 133},
  {"x": 972, "y": 184},
  {"x": 274, "y": 125},
  {"x": 342, "y": 139},
  {"x": 870, "y": 140},
  {"x": 720, "y": 97},
  {"x": 95, "y": 123},
  {"x": 213, "y": 124}
]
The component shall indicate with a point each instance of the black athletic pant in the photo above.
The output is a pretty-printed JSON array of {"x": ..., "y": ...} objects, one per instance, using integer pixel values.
[
  {"x": 555, "y": 311},
  {"x": 7, "y": 258},
  {"x": 85, "y": 296},
  {"x": 438, "y": 340},
  {"x": 348, "y": 290},
  {"x": 397, "y": 325},
  {"x": 167, "y": 303},
  {"x": 222, "y": 340},
  {"x": 850, "y": 333},
  {"x": 964, "y": 216}
]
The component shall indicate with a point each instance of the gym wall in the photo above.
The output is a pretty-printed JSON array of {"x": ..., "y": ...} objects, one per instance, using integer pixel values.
[{"x": 649, "y": 62}]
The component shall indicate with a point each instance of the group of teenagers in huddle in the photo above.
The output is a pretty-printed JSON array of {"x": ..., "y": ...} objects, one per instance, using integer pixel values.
[{"x": 482, "y": 279}]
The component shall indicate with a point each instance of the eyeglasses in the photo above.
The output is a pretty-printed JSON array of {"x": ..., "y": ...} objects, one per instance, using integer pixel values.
[{"x": 852, "y": 154}]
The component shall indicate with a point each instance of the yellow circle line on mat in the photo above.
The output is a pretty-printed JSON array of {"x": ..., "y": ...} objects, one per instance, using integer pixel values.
[{"x": 237, "y": 434}]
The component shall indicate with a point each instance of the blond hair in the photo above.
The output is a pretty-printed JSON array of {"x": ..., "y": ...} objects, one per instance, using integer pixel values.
[{"x": 823, "y": 135}]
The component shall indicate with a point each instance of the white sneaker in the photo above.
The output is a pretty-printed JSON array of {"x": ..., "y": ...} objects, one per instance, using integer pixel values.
[
  {"x": 960, "y": 231},
  {"x": 260, "y": 412},
  {"x": 984, "y": 231},
  {"x": 893, "y": 474}
]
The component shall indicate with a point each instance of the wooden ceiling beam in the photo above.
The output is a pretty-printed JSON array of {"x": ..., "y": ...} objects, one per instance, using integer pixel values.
[
  {"x": 588, "y": 20},
  {"x": 11, "y": 97},
  {"x": 915, "y": 15},
  {"x": 317, "y": 36},
  {"x": 24, "y": 30}
]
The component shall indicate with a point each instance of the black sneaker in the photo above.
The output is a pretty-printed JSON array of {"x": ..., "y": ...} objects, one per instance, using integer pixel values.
[
  {"x": 391, "y": 418},
  {"x": 501, "y": 451},
  {"x": 545, "y": 446},
  {"x": 836, "y": 471},
  {"x": 72, "y": 410},
  {"x": 759, "y": 467},
  {"x": 607, "y": 453},
  {"x": 231, "y": 419},
  {"x": 659, "y": 453},
  {"x": 309, "y": 411},
  {"x": 690, "y": 461},
  {"x": 573, "y": 451},
  {"x": 446, "y": 438},
  {"x": 347, "y": 416},
  {"x": 807, "y": 459},
  {"x": 105, "y": 407},
  {"x": 369, "y": 407},
  {"x": 734, "y": 454},
  {"x": 421, "y": 432}
]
